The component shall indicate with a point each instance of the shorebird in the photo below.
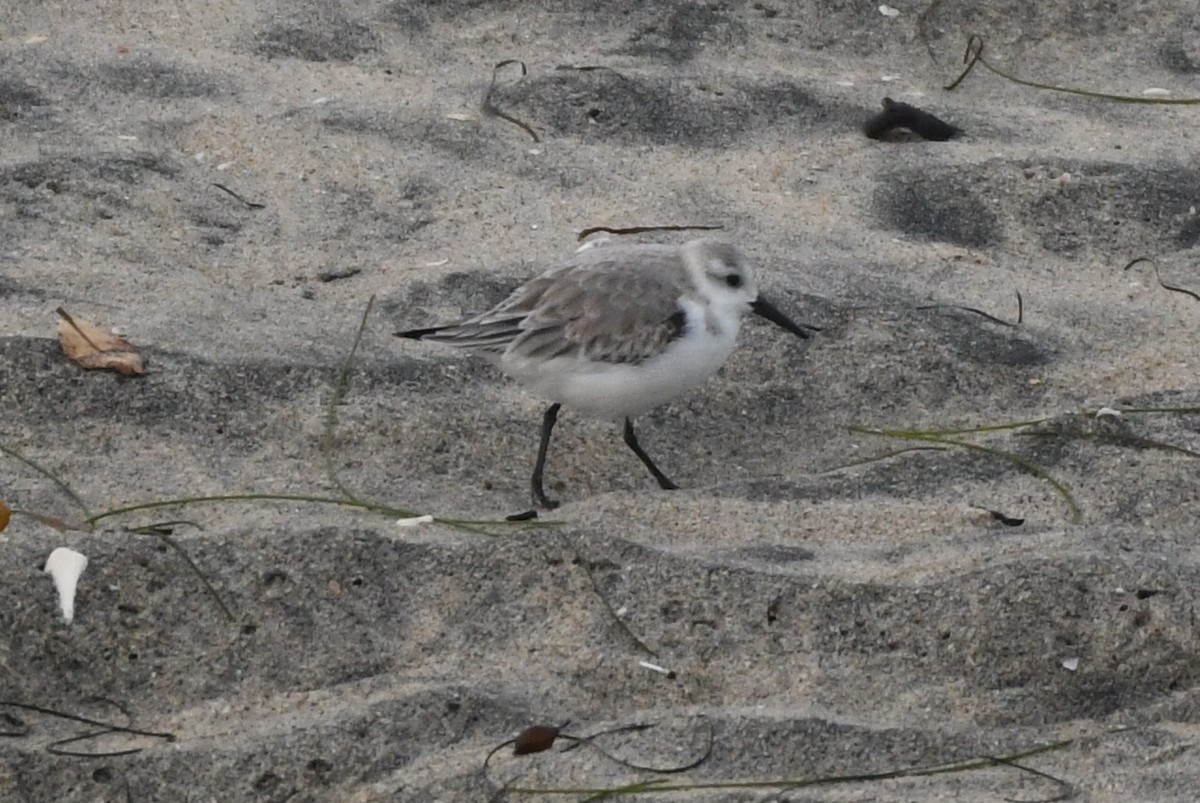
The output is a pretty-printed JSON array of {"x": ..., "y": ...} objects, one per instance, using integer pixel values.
[{"x": 618, "y": 330}]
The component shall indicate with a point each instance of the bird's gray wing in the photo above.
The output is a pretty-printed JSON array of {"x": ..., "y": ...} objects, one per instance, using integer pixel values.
[{"x": 620, "y": 305}]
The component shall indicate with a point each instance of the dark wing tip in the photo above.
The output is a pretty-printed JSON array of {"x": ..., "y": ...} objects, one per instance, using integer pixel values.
[{"x": 417, "y": 334}]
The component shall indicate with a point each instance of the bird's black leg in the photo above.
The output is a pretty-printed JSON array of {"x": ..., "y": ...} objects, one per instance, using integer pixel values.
[
  {"x": 539, "y": 494},
  {"x": 664, "y": 481}
]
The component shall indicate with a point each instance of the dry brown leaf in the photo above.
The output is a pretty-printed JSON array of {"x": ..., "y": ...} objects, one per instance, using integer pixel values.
[
  {"x": 92, "y": 347},
  {"x": 5, "y": 515}
]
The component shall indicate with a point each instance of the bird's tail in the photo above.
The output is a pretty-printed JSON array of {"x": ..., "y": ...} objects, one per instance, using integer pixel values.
[{"x": 492, "y": 338}]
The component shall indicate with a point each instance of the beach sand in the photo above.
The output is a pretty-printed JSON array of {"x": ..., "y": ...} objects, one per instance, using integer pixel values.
[{"x": 827, "y": 604}]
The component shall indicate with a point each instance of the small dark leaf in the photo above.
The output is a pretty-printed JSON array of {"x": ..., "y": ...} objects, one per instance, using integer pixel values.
[
  {"x": 535, "y": 739},
  {"x": 902, "y": 115}
]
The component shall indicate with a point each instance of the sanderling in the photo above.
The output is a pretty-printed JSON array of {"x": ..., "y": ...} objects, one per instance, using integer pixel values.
[{"x": 618, "y": 330}]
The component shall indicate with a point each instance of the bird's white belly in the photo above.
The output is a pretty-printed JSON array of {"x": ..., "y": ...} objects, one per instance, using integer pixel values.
[{"x": 617, "y": 391}]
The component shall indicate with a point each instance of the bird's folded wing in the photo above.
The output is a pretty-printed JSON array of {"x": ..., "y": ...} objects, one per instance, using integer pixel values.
[{"x": 610, "y": 310}]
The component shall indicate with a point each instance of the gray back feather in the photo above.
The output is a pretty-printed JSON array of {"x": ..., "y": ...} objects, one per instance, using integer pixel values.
[{"x": 615, "y": 304}]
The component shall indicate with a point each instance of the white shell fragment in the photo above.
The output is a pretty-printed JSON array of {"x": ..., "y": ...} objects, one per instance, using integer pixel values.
[
  {"x": 64, "y": 566},
  {"x": 1070, "y": 664},
  {"x": 414, "y": 521},
  {"x": 888, "y": 11},
  {"x": 1155, "y": 92},
  {"x": 1108, "y": 412}
]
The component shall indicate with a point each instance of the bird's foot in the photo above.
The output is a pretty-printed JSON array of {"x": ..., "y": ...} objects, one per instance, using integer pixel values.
[{"x": 540, "y": 499}]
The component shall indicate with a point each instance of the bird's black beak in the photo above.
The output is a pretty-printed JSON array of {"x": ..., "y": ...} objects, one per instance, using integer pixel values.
[{"x": 766, "y": 309}]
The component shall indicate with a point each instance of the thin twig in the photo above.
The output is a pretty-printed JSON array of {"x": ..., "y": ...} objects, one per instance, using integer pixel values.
[
  {"x": 1158, "y": 276},
  {"x": 50, "y": 475},
  {"x": 621, "y": 624},
  {"x": 974, "y": 55},
  {"x": 331, "y": 416},
  {"x": 1061, "y": 487},
  {"x": 171, "y": 542},
  {"x": 249, "y": 204},
  {"x": 487, "y": 107},
  {"x": 990, "y": 317},
  {"x": 658, "y": 785},
  {"x": 884, "y": 456},
  {"x": 56, "y": 748},
  {"x": 372, "y": 507},
  {"x": 1068, "y": 790},
  {"x": 170, "y": 737},
  {"x": 691, "y": 765},
  {"x": 585, "y": 233},
  {"x": 1115, "y": 439}
]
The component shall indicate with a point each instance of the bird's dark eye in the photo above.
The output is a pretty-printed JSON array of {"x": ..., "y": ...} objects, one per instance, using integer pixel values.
[{"x": 733, "y": 280}]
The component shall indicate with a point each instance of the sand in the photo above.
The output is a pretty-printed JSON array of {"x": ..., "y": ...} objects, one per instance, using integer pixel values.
[{"x": 827, "y": 606}]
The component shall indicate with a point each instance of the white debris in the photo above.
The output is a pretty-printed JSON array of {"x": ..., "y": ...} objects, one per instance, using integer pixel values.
[
  {"x": 1155, "y": 92},
  {"x": 414, "y": 521},
  {"x": 64, "y": 566},
  {"x": 1070, "y": 664},
  {"x": 654, "y": 668},
  {"x": 1108, "y": 412},
  {"x": 888, "y": 11}
]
